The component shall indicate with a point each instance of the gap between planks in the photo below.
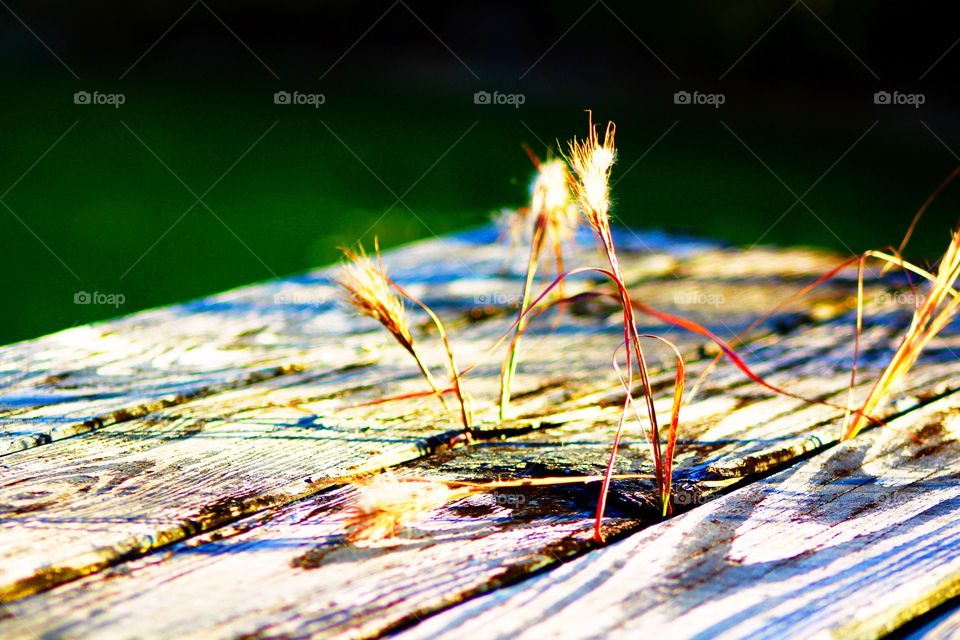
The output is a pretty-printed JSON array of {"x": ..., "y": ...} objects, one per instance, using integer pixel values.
[
  {"x": 832, "y": 533},
  {"x": 234, "y": 492},
  {"x": 175, "y": 471}
]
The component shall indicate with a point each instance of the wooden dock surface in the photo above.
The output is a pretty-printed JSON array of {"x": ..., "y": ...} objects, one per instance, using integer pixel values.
[{"x": 166, "y": 474}]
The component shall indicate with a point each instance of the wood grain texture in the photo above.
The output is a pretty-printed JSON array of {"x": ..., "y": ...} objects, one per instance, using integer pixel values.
[
  {"x": 240, "y": 406},
  {"x": 851, "y": 543},
  {"x": 129, "y": 488},
  {"x": 469, "y": 548},
  {"x": 84, "y": 378},
  {"x": 294, "y": 575}
]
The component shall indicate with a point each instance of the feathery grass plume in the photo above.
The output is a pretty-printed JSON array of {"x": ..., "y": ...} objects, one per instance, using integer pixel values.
[
  {"x": 554, "y": 208},
  {"x": 388, "y": 503},
  {"x": 368, "y": 289},
  {"x": 591, "y": 162},
  {"x": 555, "y": 221},
  {"x": 936, "y": 310}
]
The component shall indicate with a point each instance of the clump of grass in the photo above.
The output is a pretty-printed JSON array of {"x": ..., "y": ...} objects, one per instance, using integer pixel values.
[
  {"x": 372, "y": 293},
  {"x": 932, "y": 312},
  {"x": 587, "y": 170},
  {"x": 579, "y": 182},
  {"x": 555, "y": 221},
  {"x": 591, "y": 161}
]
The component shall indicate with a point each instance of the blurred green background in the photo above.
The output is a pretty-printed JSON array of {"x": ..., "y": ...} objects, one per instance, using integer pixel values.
[{"x": 104, "y": 209}]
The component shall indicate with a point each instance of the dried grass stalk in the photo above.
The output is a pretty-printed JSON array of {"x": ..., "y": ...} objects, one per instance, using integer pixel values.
[
  {"x": 555, "y": 222},
  {"x": 387, "y": 504},
  {"x": 931, "y": 315},
  {"x": 368, "y": 290},
  {"x": 591, "y": 161}
]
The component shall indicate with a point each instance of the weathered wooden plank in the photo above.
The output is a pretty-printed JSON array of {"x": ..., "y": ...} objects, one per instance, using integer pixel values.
[
  {"x": 346, "y": 593},
  {"x": 252, "y": 448},
  {"x": 228, "y": 405},
  {"x": 294, "y": 575},
  {"x": 84, "y": 378},
  {"x": 851, "y": 543},
  {"x": 471, "y": 546}
]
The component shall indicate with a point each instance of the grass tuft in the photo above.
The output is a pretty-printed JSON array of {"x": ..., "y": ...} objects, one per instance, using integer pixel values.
[{"x": 591, "y": 161}]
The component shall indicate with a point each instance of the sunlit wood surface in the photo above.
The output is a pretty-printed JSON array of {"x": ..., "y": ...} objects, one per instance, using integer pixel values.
[{"x": 165, "y": 474}]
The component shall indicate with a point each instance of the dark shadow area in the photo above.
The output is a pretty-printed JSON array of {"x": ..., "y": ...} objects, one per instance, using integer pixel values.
[{"x": 164, "y": 152}]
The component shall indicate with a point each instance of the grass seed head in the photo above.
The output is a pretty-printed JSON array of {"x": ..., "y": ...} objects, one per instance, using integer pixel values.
[
  {"x": 386, "y": 504},
  {"x": 552, "y": 199},
  {"x": 368, "y": 290},
  {"x": 591, "y": 162},
  {"x": 937, "y": 310}
]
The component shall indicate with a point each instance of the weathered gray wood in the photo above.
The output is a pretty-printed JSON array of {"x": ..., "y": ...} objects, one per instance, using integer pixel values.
[
  {"x": 87, "y": 377},
  {"x": 294, "y": 575},
  {"x": 252, "y": 448},
  {"x": 525, "y": 536},
  {"x": 851, "y": 543},
  {"x": 225, "y": 407}
]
